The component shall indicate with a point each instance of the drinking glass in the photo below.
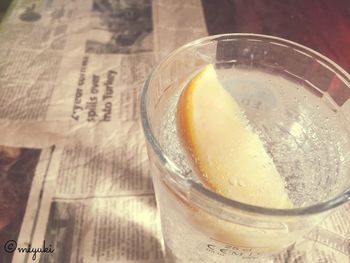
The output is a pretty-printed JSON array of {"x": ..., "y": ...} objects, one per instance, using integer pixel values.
[{"x": 296, "y": 100}]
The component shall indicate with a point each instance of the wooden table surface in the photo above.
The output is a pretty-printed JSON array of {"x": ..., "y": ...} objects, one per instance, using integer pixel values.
[{"x": 322, "y": 25}]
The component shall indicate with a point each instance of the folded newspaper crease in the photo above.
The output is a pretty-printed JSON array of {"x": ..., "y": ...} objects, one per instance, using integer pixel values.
[{"x": 71, "y": 73}]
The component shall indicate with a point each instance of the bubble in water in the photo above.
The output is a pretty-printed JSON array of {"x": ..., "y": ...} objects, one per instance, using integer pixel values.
[
  {"x": 236, "y": 182},
  {"x": 246, "y": 51},
  {"x": 241, "y": 183}
]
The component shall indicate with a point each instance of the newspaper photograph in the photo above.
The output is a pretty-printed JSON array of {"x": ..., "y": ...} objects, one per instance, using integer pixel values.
[
  {"x": 23, "y": 175},
  {"x": 120, "y": 27}
]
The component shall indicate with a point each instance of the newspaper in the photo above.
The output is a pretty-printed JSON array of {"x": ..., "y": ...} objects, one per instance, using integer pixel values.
[{"x": 71, "y": 73}]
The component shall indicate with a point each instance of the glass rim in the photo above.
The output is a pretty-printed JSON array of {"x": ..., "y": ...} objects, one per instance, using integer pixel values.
[{"x": 172, "y": 168}]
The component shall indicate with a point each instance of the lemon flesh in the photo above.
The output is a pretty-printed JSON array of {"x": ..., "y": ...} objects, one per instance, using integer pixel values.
[{"x": 227, "y": 155}]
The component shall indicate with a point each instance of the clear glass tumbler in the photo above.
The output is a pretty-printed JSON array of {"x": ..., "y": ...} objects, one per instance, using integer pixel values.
[{"x": 297, "y": 100}]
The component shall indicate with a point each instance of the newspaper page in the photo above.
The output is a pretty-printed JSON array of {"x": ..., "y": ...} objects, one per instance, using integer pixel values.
[
  {"x": 71, "y": 73},
  {"x": 71, "y": 76}
]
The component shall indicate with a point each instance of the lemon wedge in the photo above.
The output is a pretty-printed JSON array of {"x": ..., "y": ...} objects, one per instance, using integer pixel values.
[{"x": 228, "y": 156}]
